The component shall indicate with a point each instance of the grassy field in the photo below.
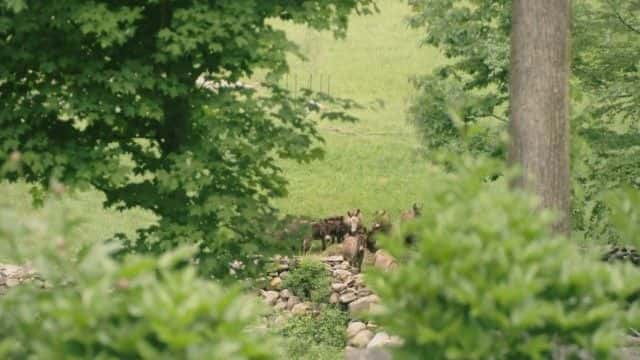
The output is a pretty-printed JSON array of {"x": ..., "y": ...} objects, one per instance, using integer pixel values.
[{"x": 372, "y": 164}]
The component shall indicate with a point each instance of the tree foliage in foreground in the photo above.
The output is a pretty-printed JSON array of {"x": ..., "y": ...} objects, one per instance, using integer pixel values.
[
  {"x": 498, "y": 284},
  {"x": 105, "y": 94},
  {"x": 93, "y": 307}
]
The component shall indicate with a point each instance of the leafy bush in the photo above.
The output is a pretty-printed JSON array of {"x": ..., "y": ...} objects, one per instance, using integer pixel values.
[
  {"x": 486, "y": 279},
  {"x": 96, "y": 308},
  {"x": 315, "y": 337},
  {"x": 310, "y": 280}
]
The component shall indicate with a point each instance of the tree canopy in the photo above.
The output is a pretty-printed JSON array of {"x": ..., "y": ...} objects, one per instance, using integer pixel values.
[{"x": 144, "y": 101}]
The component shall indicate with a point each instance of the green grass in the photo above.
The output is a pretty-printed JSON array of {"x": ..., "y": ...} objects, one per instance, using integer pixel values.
[{"x": 372, "y": 164}]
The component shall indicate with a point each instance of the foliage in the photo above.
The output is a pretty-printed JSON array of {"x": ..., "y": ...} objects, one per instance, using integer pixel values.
[
  {"x": 474, "y": 36},
  {"x": 318, "y": 336},
  {"x": 310, "y": 280},
  {"x": 143, "y": 102},
  {"x": 93, "y": 307},
  {"x": 487, "y": 279}
]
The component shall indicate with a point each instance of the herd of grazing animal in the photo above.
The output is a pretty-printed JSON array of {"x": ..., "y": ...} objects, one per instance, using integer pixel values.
[{"x": 355, "y": 237}]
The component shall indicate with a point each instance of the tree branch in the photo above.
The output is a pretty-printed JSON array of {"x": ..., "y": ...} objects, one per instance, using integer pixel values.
[{"x": 622, "y": 20}]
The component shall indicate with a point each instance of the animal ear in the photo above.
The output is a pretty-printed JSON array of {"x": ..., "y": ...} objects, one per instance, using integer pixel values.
[
  {"x": 357, "y": 212},
  {"x": 348, "y": 213}
]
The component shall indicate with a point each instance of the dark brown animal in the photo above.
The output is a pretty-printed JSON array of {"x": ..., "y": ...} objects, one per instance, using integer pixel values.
[
  {"x": 321, "y": 230},
  {"x": 334, "y": 229},
  {"x": 381, "y": 225}
]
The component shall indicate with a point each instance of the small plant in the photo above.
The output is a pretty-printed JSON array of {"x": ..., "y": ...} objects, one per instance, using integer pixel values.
[
  {"x": 487, "y": 280},
  {"x": 308, "y": 336},
  {"x": 310, "y": 281}
]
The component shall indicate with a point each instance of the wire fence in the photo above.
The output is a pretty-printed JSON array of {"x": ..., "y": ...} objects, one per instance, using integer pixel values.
[{"x": 315, "y": 82}]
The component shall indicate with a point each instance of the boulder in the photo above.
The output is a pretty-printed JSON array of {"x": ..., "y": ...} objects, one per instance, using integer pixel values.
[
  {"x": 276, "y": 283},
  {"x": 380, "y": 339},
  {"x": 348, "y": 297},
  {"x": 334, "y": 259},
  {"x": 270, "y": 297},
  {"x": 362, "y": 339},
  {"x": 342, "y": 275},
  {"x": 334, "y": 299},
  {"x": 293, "y": 301},
  {"x": 364, "y": 292},
  {"x": 384, "y": 260},
  {"x": 300, "y": 309},
  {"x": 283, "y": 275},
  {"x": 280, "y": 305},
  {"x": 376, "y": 353},
  {"x": 363, "y": 304},
  {"x": 354, "y": 328},
  {"x": 338, "y": 287},
  {"x": 285, "y": 294}
]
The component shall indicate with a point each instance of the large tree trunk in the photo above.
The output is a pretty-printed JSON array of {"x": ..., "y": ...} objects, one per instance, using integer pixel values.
[{"x": 539, "y": 107}]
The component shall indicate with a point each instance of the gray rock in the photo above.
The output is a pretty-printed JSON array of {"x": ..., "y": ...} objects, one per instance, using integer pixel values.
[
  {"x": 334, "y": 259},
  {"x": 270, "y": 297},
  {"x": 342, "y": 275},
  {"x": 348, "y": 297},
  {"x": 364, "y": 292},
  {"x": 380, "y": 339},
  {"x": 284, "y": 274},
  {"x": 276, "y": 283},
  {"x": 354, "y": 328},
  {"x": 334, "y": 299},
  {"x": 361, "y": 339},
  {"x": 376, "y": 353},
  {"x": 363, "y": 304},
  {"x": 285, "y": 294},
  {"x": 300, "y": 309},
  {"x": 338, "y": 286},
  {"x": 293, "y": 301},
  {"x": 280, "y": 305}
]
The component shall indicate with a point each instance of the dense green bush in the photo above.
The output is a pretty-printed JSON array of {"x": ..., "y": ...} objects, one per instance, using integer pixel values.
[
  {"x": 96, "y": 308},
  {"x": 310, "y": 280},
  {"x": 319, "y": 336},
  {"x": 486, "y": 279}
]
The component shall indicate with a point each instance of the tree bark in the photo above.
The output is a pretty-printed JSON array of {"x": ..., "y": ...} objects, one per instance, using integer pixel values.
[{"x": 539, "y": 104}]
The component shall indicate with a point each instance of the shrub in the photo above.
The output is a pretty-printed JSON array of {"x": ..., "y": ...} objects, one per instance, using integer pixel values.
[
  {"x": 487, "y": 280},
  {"x": 315, "y": 336},
  {"x": 96, "y": 308},
  {"x": 310, "y": 281}
]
